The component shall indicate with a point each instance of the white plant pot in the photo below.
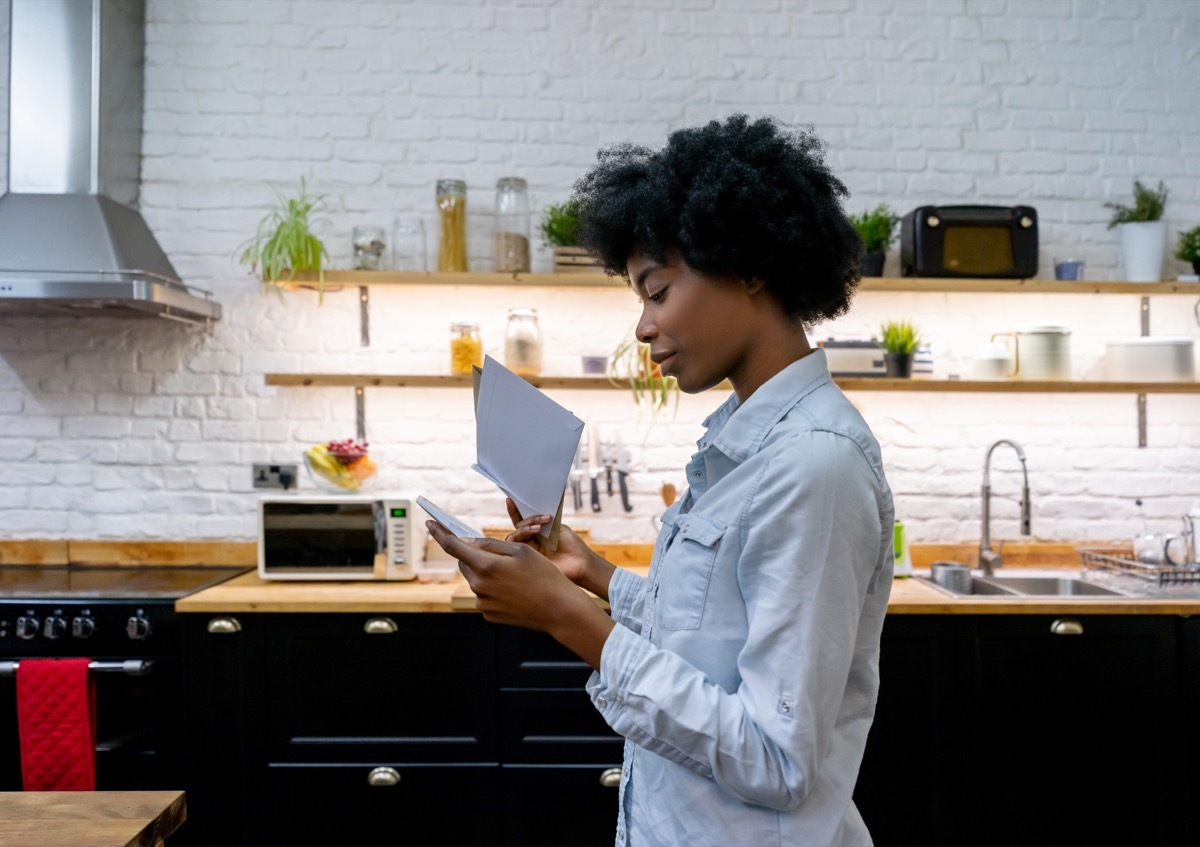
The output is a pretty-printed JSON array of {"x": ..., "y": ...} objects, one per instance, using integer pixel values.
[{"x": 1142, "y": 247}]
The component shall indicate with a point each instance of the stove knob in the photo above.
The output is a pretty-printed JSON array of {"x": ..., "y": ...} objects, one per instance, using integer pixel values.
[
  {"x": 27, "y": 627},
  {"x": 55, "y": 627},
  {"x": 82, "y": 627},
  {"x": 138, "y": 628}
]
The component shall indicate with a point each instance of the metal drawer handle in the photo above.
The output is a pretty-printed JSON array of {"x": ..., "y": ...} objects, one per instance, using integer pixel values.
[
  {"x": 379, "y": 626},
  {"x": 224, "y": 626},
  {"x": 383, "y": 777},
  {"x": 1066, "y": 626},
  {"x": 611, "y": 778}
]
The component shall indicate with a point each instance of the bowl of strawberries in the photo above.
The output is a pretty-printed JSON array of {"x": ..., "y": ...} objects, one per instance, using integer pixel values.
[{"x": 340, "y": 466}]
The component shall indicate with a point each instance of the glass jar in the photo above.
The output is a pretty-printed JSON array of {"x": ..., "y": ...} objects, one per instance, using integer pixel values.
[
  {"x": 523, "y": 343},
  {"x": 466, "y": 347},
  {"x": 369, "y": 244},
  {"x": 512, "y": 225},
  {"x": 452, "y": 211}
]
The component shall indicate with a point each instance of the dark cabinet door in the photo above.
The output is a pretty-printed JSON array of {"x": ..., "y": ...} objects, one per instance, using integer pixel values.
[
  {"x": 553, "y": 726},
  {"x": 343, "y": 688},
  {"x": 382, "y": 803},
  {"x": 560, "y": 804},
  {"x": 1069, "y": 736},
  {"x": 904, "y": 790},
  {"x": 223, "y": 707},
  {"x": 1187, "y": 727}
]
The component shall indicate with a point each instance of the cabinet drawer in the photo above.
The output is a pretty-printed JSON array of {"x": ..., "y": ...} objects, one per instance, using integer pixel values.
[
  {"x": 551, "y": 725},
  {"x": 529, "y": 659},
  {"x": 337, "y": 693},
  {"x": 564, "y": 804},
  {"x": 336, "y": 804}
]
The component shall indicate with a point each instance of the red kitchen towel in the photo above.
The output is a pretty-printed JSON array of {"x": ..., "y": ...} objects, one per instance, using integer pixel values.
[{"x": 56, "y": 721}]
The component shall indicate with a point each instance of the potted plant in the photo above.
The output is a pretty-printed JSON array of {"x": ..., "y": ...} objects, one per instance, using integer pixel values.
[
  {"x": 876, "y": 229},
  {"x": 899, "y": 341},
  {"x": 630, "y": 365},
  {"x": 1188, "y": 248},
  {"x": 560, "y": 230},
  {"x": 284, "y": 243},
  {"x": 1143, "y": 232}
]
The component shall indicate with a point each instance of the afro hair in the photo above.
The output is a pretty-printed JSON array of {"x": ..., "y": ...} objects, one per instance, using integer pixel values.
[{"x": 740, "y": 198}]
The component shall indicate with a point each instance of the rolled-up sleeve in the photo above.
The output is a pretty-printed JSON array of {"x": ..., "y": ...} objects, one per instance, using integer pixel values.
[{"x": 627, "y": 598}]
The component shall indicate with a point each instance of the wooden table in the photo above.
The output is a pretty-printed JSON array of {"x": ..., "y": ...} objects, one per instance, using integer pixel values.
[{"x": 90, "y": 818}]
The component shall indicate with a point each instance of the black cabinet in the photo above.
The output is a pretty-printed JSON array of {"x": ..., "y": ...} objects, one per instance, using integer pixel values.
[
  {"x": 562, "y": 762},
  {"x": 1021, "y": 729},
  {"x": 1184, "y": 731},
  {"x": 905, "y": 789}
]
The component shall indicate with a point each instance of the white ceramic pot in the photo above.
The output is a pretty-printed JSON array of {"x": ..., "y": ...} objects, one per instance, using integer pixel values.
[
  {"x": 1040, "y": 353},
  {"x": 1142, "y": 247},
  {"x": 1149, "y": 359}
]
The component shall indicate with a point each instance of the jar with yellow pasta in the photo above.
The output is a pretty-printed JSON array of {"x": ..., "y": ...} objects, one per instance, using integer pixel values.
[
  {"x": 452, "y": 212},
  {"x": 466, "y": 347}
]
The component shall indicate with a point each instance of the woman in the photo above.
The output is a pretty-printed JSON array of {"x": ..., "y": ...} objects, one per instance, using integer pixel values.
[{"x": 743, "y": 670}]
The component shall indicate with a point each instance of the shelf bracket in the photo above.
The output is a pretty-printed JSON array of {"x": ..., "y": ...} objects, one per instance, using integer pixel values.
[
  {"x": 360, "y": 412},
  {"x": 1145, "y": 310},
  {"x": 364, "y": 315},
  {"x": 1141, "y": 412}
]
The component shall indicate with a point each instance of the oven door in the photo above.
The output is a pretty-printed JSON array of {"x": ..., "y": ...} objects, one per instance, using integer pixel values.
[
  {"x": 321, "y": 538},
  {"x": 137, "y": 725}
]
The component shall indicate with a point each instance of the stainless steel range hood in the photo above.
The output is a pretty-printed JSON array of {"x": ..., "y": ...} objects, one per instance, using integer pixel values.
[{"x": 71, "y": 240}]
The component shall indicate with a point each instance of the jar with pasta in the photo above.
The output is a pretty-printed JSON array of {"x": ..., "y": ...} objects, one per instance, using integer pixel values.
[
  {"x": 466, "y": 347},
  {"x": 512, "y": 225},
  {"x": 452, "y": 212},
  {"x": 523, "y": 343}
]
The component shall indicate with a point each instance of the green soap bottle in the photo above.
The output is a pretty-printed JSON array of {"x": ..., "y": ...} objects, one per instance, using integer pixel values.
[{"x": 903, "y": 565}]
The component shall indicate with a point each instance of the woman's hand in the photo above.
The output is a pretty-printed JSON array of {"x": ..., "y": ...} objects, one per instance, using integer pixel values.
[
  {"x": 516, "y": 585},
  {"x": 572, "y": 557}
]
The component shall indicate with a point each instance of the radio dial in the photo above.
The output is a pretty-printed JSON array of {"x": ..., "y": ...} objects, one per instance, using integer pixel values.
[
  {"x": 1026, "y": 221},
  {"x": 933, "y": 220},
  {"x": 56, "y": 627},
  {"x": 82, "y": 627}
]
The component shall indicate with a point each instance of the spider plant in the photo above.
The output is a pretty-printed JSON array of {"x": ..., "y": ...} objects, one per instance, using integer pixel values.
[
  {"x": 284, "y": 243},
  {"x": 630, "y": 365}
]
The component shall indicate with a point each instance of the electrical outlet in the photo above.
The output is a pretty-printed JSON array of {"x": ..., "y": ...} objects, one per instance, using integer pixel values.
[{"x": 275, "y": 476}]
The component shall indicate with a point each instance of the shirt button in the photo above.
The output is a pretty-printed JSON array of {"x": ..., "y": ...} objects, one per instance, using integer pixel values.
[
  {"x": 697, "y": 474},
  {"x": 603, "y": 702}
]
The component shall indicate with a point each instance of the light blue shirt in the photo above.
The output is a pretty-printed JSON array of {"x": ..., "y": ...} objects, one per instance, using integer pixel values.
[{"x": 743, "y": 670}]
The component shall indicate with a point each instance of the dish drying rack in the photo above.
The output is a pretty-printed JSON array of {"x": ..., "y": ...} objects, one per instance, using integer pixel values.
[{"x": 1119, "y": 560}]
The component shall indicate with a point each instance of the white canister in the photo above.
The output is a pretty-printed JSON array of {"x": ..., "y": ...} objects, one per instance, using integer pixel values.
[
  {"x": 1150, "y": 359},
  {"x": 1040, "y": 353}
]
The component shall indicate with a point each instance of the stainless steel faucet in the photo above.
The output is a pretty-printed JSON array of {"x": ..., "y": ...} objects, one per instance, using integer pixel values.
[{"x": 989, "y": 559}]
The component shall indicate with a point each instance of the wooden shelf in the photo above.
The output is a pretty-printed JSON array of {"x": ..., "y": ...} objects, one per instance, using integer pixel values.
[
  {"x": 847, "y": 384},
  {"x": 336, "y": 278}
]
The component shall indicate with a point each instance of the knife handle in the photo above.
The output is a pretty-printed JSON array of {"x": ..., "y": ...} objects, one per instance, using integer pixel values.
[
  {"x": 624, "y": 491},
  {"x": 577, "y": 494},
  {"x": 608, "y": 480},
  {"x": 595, "y": 494}
]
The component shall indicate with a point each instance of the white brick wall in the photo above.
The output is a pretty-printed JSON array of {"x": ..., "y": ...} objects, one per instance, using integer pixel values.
[{"x": 133, "y": 430}]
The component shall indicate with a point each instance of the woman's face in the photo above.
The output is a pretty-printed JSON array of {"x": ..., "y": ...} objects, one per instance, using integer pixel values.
[{"x": 700, "y": 328}]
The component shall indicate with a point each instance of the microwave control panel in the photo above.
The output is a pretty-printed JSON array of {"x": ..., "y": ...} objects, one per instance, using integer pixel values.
[{"x": 405, "y": 547}]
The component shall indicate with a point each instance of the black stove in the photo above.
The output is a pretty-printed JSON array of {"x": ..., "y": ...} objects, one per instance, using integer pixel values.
[
  {"x": 122, "y": 619},
  {"x": 84, "y": 610}
]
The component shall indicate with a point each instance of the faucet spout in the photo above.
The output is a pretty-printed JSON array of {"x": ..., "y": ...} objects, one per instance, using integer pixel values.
[{"x": 989, "y": 559}]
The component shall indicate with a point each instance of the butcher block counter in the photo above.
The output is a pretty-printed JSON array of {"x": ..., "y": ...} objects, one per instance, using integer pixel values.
[
  {"x": 93, "y": 818},
  {"x": 249, "y": 593}
]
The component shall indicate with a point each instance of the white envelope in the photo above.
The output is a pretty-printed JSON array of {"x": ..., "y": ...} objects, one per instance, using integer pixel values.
[
  {"x": 525, "y": 443},
  {"x": 448, "y": 520}
]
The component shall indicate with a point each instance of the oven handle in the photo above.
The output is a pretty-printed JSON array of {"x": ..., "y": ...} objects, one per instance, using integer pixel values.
[{"x": 133, "y": 667}]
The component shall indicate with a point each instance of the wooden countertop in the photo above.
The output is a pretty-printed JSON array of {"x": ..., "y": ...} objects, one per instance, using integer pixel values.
[
  {"x": 92, "y": 818},
  {"x": 248, "y": 593}
]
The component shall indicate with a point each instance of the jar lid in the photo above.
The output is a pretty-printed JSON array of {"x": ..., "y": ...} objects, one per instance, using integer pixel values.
[
  {"x": 1046, "y": 330},
  {"x": 451, "y": 186},
  {"x": 464, "y": 325},
  {"x": 511, "y": 182},
  {"x": 522, "y": 313}
]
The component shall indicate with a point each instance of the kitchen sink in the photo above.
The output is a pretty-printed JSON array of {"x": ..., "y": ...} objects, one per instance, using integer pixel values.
[{"x": 1030, "y": 586}]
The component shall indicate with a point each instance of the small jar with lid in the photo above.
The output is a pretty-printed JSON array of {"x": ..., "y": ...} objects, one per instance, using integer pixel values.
[
  {"x": 523, "y": 343},
  {"x": 512, "y": 225},
  {"x": 452, "y": 213},
  {"x": 466, "y": 347}
]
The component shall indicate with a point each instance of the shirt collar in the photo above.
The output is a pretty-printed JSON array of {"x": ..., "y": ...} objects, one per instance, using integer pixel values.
[{"x": 738, "y": 430}]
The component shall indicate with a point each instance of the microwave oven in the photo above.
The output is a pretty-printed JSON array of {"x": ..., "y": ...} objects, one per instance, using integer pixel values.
[
  {"x": 970, "y": 241},
  {"x": 339, "y": 537}
]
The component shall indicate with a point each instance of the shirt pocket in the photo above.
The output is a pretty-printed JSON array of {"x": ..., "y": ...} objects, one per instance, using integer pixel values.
[{"x": 686, "y": 570}]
